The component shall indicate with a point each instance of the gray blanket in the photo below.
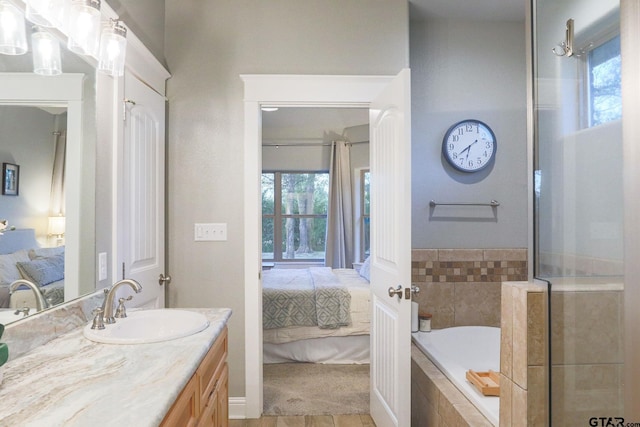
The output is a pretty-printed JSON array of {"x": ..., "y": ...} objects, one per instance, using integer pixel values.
[{"x": 304, "y": 297}]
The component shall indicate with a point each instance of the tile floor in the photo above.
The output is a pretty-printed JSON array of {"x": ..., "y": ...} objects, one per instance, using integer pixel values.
[{"x": 307, "y": 421}]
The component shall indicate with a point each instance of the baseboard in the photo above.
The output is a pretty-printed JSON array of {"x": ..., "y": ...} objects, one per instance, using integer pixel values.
[{"x": 237, "y": 408}]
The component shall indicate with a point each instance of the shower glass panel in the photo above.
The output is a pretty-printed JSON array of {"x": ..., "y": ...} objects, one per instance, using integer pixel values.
[{"x": 579, "y": 203}]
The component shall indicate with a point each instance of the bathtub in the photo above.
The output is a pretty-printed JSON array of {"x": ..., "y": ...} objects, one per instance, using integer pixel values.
[{"x": 458, "y": 349}]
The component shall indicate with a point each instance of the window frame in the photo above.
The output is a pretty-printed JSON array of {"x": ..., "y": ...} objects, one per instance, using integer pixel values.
[
  {"x": 360, "y": 214},
  {"x": 278, "y": 216},
  {"x": 599, "y": 38}
]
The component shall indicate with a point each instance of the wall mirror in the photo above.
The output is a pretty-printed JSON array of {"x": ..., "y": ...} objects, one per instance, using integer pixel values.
[{"x": 38, "y": 114}]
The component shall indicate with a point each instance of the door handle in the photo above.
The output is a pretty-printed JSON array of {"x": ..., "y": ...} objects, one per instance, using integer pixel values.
[
  {"x": 164, "y": 280},
  {"x": 397, "y": 292}
]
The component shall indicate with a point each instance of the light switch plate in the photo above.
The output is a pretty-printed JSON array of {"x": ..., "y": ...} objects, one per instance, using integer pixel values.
[
  {"x": 209, "y": 232},
  {"x": 102, "y": 266}
]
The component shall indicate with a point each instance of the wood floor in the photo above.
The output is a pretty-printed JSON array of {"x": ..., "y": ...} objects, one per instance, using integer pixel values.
[{"x": 307, "y": 421}]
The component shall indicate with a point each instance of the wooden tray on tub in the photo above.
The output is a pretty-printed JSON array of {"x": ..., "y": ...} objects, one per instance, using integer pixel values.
[{"x": 488, "y": 383}]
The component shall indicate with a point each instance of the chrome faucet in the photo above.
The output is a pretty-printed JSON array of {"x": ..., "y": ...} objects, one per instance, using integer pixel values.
[
  {"x": 41, "y": 303},
  {"x": 111, "y": 294}
]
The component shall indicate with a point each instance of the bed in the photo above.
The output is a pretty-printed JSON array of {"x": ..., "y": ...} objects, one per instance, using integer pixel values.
[
  {"x": 21, "y": 257},
  {"x": 317, "y": 315}
]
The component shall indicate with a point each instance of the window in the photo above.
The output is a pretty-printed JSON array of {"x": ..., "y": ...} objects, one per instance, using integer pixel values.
[
  {"x": 604, "y": 83},
  {"x": 365, "y": 215},
  {"x": 294, "y": 216}
]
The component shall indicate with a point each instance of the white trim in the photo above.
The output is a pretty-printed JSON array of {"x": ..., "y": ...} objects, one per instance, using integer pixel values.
[
  {"x": 279, "y": 90},
  {"x": 237, "y": 408}
]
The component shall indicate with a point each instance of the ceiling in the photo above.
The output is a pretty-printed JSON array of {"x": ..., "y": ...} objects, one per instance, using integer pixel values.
[{"x": 468, "y": 10}]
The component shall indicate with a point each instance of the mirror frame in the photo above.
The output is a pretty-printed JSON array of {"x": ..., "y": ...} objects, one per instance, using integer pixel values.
[{"x": 65, "y": 90}]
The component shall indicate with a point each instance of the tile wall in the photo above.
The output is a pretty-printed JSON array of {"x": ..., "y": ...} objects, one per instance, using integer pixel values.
[
  {"x": 523, "y": 355},
  {"x": 461, "y": 287}
]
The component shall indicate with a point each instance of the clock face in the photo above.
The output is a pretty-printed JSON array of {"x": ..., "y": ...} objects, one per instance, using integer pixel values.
[{"x": 469, "y": 145}]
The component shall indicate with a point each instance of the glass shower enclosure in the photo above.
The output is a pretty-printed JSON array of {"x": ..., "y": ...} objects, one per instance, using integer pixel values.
[{"x": 579, "y": 203}]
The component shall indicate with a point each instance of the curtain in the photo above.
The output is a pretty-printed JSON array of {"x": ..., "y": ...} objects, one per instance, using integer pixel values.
[
  {"x": 57, "y": 201},
  {"x": 339, "y": 251}
]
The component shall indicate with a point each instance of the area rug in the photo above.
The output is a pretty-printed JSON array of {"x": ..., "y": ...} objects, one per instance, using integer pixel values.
[{"x": 315, "y": 389}]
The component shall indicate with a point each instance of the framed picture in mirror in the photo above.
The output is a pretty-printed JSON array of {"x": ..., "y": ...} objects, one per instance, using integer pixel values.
[{"x": 10, "y": 179}]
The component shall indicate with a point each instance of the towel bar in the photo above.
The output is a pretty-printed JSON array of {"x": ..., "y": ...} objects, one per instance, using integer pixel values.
[{"x": 493, "y": 204}]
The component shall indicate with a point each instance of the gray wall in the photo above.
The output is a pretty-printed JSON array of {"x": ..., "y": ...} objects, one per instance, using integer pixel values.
[
  {"x": 27, "y": 140},
  {"x": 466, "y": 70},
  {"x": 207, "y": 46}
]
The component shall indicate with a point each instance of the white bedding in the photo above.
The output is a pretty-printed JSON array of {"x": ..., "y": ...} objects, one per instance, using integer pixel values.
[{"x": 358, "y": 287}]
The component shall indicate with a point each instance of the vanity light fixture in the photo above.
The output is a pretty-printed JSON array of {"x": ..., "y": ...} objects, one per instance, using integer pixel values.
[
  {"x": 46, "y": 53},
  {"x": 13, "y": 37},
  {"x": 84, "y": 27},
  {"x": 269, "y": 109},
  {"x": 46, "y": 13},
  {"x": 113, "y": 48}
]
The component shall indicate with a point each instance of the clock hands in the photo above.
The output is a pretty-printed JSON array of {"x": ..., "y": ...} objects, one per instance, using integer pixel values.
[{"x": 468, "y": 149}]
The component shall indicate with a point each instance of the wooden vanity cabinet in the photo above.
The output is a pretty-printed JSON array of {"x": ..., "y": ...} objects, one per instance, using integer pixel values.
[{"x": 204, "y": 402}]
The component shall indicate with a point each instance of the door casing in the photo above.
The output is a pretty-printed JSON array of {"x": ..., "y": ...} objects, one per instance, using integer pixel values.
[{"x": 278, "y": 91}]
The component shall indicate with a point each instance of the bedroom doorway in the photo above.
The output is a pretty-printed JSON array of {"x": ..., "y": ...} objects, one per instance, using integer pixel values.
[
  {"x": 310, "y": 369},
  {"x": 388, "y": 101}
]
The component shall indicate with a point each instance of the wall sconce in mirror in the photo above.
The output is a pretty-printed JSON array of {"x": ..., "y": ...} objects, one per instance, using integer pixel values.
[
  {"x": 565, "y": 48},
  {"x": 113, "y": 48},
  {"x": 13, "y": 37},
  {"x": 46, "y": 53}
]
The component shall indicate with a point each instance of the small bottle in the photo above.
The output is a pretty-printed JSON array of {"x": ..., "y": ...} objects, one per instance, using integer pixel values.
[{"x": 425, "y": 322}]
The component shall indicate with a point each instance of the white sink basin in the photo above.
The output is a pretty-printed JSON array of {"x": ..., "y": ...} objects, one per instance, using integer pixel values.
[{"x": 147, "y": 326}]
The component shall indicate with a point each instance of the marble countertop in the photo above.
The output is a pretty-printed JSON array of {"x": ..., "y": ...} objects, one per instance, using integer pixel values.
[{"x": 71, "y": 381}]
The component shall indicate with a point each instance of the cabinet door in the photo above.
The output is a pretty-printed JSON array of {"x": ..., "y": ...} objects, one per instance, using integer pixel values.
[
  {"x": 209, "y": 417},
  {"x": 186, "y": 409}
]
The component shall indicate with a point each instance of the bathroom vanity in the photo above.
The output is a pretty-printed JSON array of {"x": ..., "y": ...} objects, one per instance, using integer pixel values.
[{"x": 73, "y": 381}]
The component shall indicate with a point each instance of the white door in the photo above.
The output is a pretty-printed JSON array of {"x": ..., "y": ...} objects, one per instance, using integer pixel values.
[
  {"x": 141, "y": 193},
  {"x": 390, "y": 145}
]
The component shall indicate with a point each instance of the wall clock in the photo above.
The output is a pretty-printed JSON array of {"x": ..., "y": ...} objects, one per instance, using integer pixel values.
[{"x": 469, "y": 145}]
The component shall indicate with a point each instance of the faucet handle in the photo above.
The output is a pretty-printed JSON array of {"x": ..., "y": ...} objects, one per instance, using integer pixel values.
[
  {"x": 121, "y": 311},
  {"x": 98, "y": 320},
  {"x": 24, "y": 310}
]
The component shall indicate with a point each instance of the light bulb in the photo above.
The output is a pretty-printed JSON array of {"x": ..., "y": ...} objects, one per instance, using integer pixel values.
[
  {"x": 113, "y": 46},
  {"x": 13, "y": 38},
  {"x": 84, "y": 27},
  {"x": 46, "y": 53}
]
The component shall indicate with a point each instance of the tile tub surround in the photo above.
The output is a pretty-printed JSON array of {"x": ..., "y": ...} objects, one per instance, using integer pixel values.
[
  {"x": 523, "y": 355},
  {"x": 72, "y": 381},
  {"x": 435, "y": 401},
  {"x": 461, "y": 287}
]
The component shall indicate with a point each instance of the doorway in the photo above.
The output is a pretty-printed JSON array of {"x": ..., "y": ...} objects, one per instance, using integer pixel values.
[
  {"x": 308, "y": 369},
  {"x": 392, "y": 112}
]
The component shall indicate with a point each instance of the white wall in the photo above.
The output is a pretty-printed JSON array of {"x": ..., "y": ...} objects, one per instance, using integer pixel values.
[
  {"x": 207, "y": 45},
  {"x": 473, "y": 70}
]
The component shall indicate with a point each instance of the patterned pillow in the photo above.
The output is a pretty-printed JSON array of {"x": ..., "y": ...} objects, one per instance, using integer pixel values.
[
  {"x": 8, "y": 269},
  {"x": 43, "y": 271}
]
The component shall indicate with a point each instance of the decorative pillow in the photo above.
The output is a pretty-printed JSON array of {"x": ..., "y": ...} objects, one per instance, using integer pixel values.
[
  {"x": 365, "y": 270},
  {"x": 8, "y": 269},
  {"x": 43, "y": 271},
  {"x": 45, "y": 252}
]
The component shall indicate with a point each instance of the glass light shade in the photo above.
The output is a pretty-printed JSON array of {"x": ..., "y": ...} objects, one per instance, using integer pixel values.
[
  {"x": 13, "y": 37},
  {"x": 113, "y": 48},
  {"x": 46, "y": 53},
  {"x": 46, "y": 13},
  {"x": 56, "y": 225},
  {"x": 84, "y": 27}
]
